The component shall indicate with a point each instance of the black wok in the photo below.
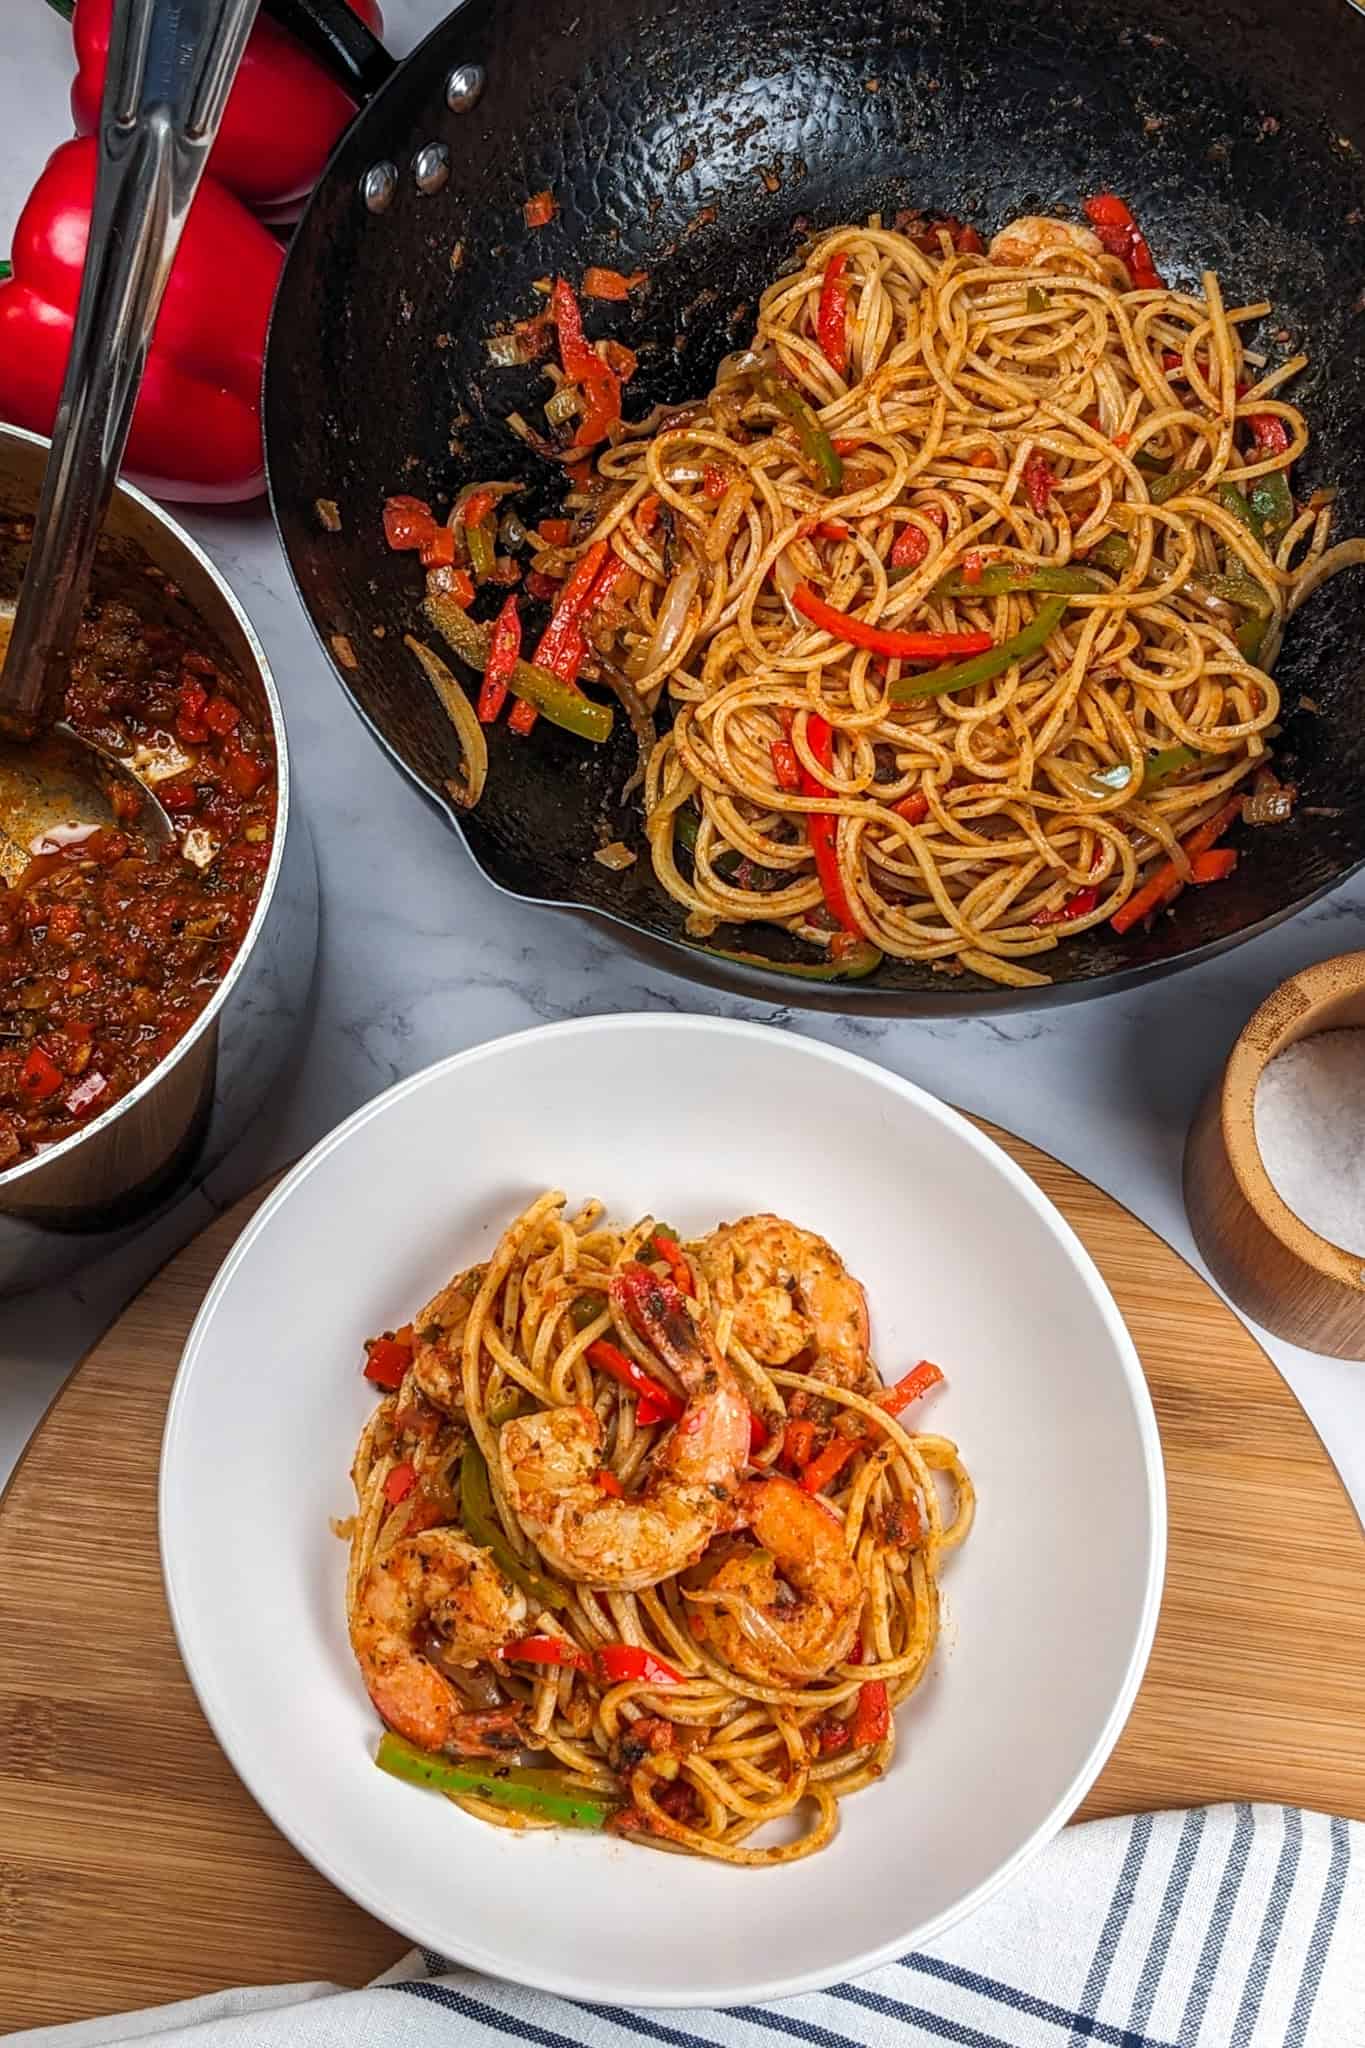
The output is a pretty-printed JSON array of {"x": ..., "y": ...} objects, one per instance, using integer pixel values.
[{"x": 695, "y": 142}]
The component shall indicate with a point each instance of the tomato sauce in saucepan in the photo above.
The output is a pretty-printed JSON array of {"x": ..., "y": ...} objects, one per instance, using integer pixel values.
[{"x": 107, "y": 955}]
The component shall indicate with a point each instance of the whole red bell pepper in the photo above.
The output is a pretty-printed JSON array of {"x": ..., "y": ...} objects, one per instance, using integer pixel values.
[
  {"x": 196, "y": 431},
  {"x": 283, "y": 116}
]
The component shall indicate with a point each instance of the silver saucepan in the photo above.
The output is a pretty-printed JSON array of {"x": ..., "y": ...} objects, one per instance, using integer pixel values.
[{"x": 84, "y": 1194}]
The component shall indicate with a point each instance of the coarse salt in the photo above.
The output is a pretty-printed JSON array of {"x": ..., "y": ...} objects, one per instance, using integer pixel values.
[{"x": 1310, "y": 1132}]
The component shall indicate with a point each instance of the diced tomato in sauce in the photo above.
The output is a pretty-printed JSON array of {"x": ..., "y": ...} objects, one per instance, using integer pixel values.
[{"x": 108, "y": 955}]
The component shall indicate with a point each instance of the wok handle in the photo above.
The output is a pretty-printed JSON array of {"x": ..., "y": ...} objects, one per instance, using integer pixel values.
[{"x": 341, "y": 42}]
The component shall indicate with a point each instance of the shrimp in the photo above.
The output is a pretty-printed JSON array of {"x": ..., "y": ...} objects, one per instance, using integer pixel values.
[
  {"x": 436, "y": 1358},
  {"x": 437, "y": 1585},
  {"x": 786, "y": 1611},
  {"x": 550, "y": 1461},
  {"x": 791, "y": 1293},
  {"x": 1024, "y": 242}
]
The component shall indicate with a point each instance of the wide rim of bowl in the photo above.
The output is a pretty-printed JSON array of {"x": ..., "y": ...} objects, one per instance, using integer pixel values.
[
  {"x": 208, "y": 1016},
  {"x": 698, "y": 1993}
]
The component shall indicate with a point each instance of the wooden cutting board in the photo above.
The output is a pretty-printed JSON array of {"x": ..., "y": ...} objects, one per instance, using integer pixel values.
[{"x": 134, "y": 1868}]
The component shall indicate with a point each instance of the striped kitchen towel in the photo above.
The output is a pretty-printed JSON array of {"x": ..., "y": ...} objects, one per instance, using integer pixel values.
[{"x": 1223, "y": 1927}]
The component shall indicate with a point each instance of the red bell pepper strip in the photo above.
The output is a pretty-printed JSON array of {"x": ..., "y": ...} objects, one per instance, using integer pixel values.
[
  {"x": 39, "y": 1077},
  {"x": 1079, "y": 905},
  {"x": 504, "y": 651},
  {"x": 1120, "y": 236},
  {"x": 609, "y": 1358},
  {"x": 1214, "y": 866},
  {"x": 545, "y": 1650},
  {"x": 408, "y": 522},
  {"x": 399, "y": 1484},
  {"x": 671, "y": 1252},
  {"x": 561, "y": 647},
  {"x": 439, "y": 551},
  {"x": 599, "y": 283},
  {"x": 583, "y": 366},
  {"x": 621, "y": 1663},
  {"x": 786, "y": 766},
  {"x": 1166, "y": 884},
  {"x": 917, "y": 1381},
  {"x": 1039, "y": 482},
  {"x": 283, "y": 116},
  {"x": 759, "y": 1433},
  {"x": 913, "y": 808},
  {"x": 715, "y": 480},
  {"x": 872, "y": 1715},
  {"x": 196, "y": 432},
  {"x": 911, "y": 547},
  {"x": 798, "y": 1444},
  {"x": 539, "y": 210},
  {"x": 1269, "y": 432},
  {"x": 826, "y": 1465},
  {"x": 884, "y": 639},
  {"x": 608, "y": 1482},
  {"x": 822, "y": 828},
  {"x": 388, "y": 1358},
  {"x": 831, "y": 320}
]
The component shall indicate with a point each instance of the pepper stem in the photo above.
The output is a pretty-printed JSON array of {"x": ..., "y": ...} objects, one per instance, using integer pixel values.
[{"x": 62, "y": 7}]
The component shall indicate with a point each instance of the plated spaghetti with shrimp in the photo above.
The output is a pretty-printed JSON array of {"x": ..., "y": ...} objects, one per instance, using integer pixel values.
[
  {"x": 642, "y": 1540},
  {"x": 964, "y": 588}
]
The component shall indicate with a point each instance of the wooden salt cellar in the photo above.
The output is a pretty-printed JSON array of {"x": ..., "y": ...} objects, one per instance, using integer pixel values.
[{"x": 1263, "y": 1256}]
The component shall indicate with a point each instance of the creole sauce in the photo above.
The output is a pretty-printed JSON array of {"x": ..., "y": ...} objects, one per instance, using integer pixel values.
[{"x": 107, "y": 955}]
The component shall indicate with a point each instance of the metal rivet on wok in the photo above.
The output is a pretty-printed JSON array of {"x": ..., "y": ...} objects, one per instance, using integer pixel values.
[
  {"x": 378, "y": 185},
  {"x": 463, "y": 87},
  {"x": 431, "y": 166}
]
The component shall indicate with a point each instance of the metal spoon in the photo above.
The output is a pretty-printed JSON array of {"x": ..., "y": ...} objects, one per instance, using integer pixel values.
[{"x": 171, "y": 63}]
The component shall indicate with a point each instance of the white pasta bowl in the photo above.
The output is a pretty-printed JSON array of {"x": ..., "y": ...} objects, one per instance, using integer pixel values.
[{"x": 1051, "y": 1604}]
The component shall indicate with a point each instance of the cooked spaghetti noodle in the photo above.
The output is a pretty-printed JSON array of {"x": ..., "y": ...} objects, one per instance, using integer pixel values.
[
  {"x": 709, "y": 1625},
  {"x": 958, "y": 442}
]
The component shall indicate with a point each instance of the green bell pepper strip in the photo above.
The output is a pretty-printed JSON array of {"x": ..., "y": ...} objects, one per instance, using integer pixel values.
[
  {"x": 1235, "y": 501},
  {"x": 548, "y": 1794},
  {"x": 998, "y": 579},
  {"x": 816, "y": 445},
  {"x": 1249, "y": 636},
  {"x": 1170, "y": 484},
  {"x": 481, "y": 1525},
  {"x": 506, "y": 1407},
  {"x": 479, "y": 540},
  {"x": 1272, "y": 503},
  {"x": 558, "y": 701},
  {"x": 586, "y": 1309},
  {"x": 856, "y": 964},
  {"x": 1240, "y": 589},
  {"x": 1036, "y": 299},
  {"x": 1113, "y": 553},
  {"x": 1158, "y": 769},
  {"x": 686, "y": 826},
  {"x": 964, "y": 675}
]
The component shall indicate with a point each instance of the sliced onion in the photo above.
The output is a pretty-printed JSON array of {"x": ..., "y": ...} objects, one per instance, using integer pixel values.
[
  {"x": 564, "y": 406},
  {"x": 1216, "y": 607},
  {"x": 511, "y": 533},
  {"x": 507, "y": 351},
  {"x": 742, "y": 362},
  {"x": 1271, "y": 801},
  {"x": 617, "y": 856},
  {"x": 460, "y": 712},
  {"x": 636, "y": 710},
  {"x": 729, "y": 512},
  {"x": 671, "y": 623}
]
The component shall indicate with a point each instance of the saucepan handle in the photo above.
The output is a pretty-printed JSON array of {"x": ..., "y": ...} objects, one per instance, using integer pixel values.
[
  {"x": 340, "y": 40},
  {"x": 171, "y": 63}
]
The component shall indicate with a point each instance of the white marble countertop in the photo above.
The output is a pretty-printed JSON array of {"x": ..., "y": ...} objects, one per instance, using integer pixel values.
[{"x": 419, "y": 957}]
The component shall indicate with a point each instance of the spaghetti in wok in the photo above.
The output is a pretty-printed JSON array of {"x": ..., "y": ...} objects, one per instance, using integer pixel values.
[
  {"x": 641, "y": 1539},
  {"x": 964, "y": 587}
]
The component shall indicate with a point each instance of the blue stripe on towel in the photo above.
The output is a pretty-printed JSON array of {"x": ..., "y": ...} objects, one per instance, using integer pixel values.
[
  {"x": 1219, "y": 1921},
  {"x": 1186, "y": 1849},
  {"x": 1032, "y": 2007},
  {"x": 1114, "y": 1923},
  {"x": 1322, "y": 1934},
  {"x": 1267, "y": 1941}
]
